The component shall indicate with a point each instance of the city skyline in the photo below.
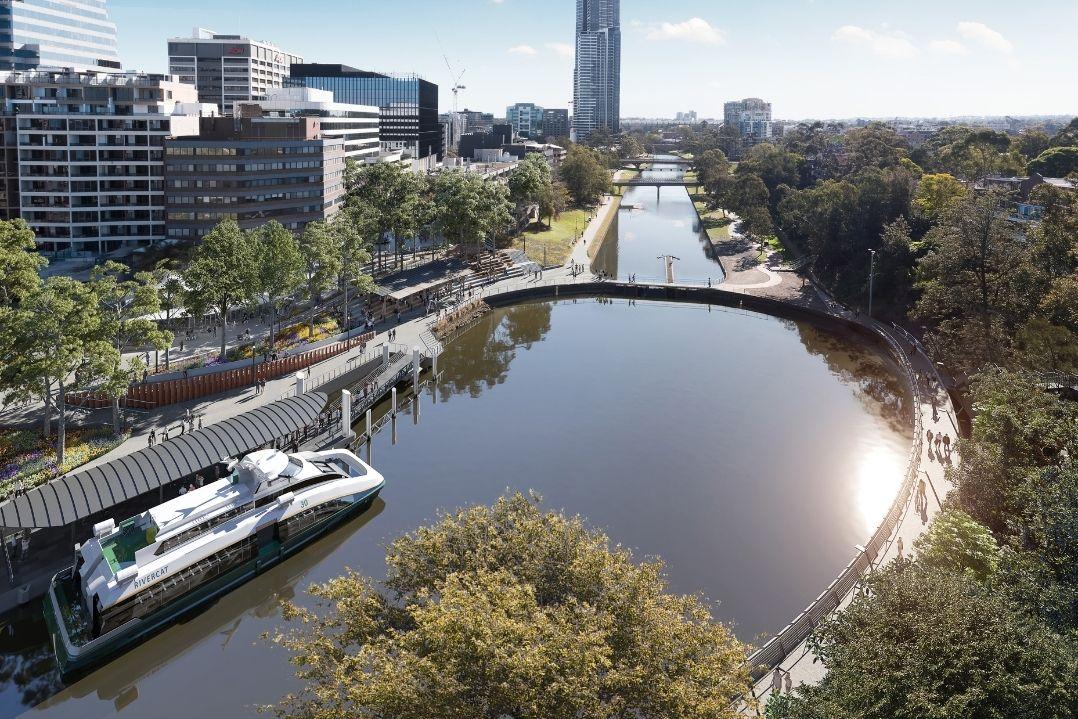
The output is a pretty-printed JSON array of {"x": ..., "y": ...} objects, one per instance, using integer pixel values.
[{"x": 916, "y": 59}]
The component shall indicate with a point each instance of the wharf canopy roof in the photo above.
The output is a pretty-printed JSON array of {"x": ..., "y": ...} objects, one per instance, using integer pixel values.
[{"x": 93, "y": 490}]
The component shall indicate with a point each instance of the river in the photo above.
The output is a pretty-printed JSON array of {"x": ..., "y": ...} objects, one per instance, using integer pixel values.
[
  {"x": 654, "y": 222},
  {"x": 750, "y": 453}
]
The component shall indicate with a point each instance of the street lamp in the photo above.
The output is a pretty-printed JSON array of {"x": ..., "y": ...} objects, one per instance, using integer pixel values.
[{"x": 871, "y": 279}]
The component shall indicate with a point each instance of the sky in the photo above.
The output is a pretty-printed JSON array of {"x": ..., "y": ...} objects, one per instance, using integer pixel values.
[{"x": 809, "y": 58}]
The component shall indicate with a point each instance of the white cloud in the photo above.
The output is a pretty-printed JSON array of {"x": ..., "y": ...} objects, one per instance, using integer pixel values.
[
  {"x": 890, "y": 45},
  {"x": 948, "y": 47},
  {"x": 561, "y": 48},
  {"x": 691, "y": 30},
  {"x": 982, "y": 34},
  {"x": 522, "y": 50}
]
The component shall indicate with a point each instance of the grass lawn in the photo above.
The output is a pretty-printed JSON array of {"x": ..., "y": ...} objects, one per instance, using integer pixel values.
[
  {"x": 552, "y": 246},
  {"x": 714, "y": 222}
]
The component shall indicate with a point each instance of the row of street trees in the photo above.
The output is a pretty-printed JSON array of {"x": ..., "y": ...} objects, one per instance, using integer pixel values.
[{"x": 60, "y": 334}]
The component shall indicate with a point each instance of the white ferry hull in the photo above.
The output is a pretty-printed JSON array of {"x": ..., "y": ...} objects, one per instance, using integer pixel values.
[{"x": 74, "y": 658}]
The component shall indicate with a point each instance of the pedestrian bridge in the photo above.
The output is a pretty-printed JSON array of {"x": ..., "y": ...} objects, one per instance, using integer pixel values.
[
  {"x": 639, "y": 163},
  {"x": 656, "y": 182}
]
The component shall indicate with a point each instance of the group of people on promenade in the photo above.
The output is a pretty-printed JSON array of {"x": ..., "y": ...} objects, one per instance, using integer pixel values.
[
  {"x": 941, "y": 442},
  {"x": 188, "y": 423}
]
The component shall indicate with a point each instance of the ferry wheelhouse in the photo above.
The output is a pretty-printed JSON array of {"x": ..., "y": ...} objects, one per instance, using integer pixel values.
[{"x": 131, "y": 579}]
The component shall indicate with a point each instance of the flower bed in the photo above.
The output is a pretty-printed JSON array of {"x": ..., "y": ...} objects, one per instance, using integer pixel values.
[
  {"x": 288, "y": 338},
  {"x": 26, "y": 457}
]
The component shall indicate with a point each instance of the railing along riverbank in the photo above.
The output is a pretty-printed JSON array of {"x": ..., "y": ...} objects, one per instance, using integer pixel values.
[{"x": 849, "y": 579}]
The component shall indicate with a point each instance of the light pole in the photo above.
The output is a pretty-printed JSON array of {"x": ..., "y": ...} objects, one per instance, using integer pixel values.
[{"x": 871, "y": 279}]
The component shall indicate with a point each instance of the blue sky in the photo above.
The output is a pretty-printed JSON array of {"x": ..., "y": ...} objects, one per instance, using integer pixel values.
[{"x": 810, "y": 58}]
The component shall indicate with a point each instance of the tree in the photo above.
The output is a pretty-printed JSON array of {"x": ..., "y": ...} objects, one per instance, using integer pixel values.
[
  {"x": 747, "y": 191},
  {"x": 171, "y": 290},
  {"x": 19, "y": 261},
  {"x": 1068, "y": 136},
  {"x": 920, "y": 643},
  {"x": 471, "y": 209},
  {"x": 955, "y": 542},
  {"x": 756, "y": 223},
  {"x": 1055, "y": 162},
  {"x": 125, "y": 307},
  {"x": 1032, "y": 143},
  {"x": 531, "y": 182},
  {"x": 507, "y": 611},
  {"x": 279, "y": 267},
  {"x": 351, "y": 229},
  {"x": 321, "y": 264},
  {"x": 936, "y": 194},
  {"x": 976, "y": 283},
  {"x": 221, "y": 275},
  {"x": 712, "y": 170},
  {"x": 875, "y": 145},
  {"x": 584, "y": 175},
  {"x": 53, "y": 342},
  {"x": 772, "y": 164},
  {"x": 554, "y": 200},
  {"x": 630, "y": 146},
  {"x": 391, "y": 195}
]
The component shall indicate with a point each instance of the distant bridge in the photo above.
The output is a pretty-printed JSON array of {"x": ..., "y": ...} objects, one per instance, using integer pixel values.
[
  {"x": 654, "y": 182},
  {"x": 638, "y": 164}
]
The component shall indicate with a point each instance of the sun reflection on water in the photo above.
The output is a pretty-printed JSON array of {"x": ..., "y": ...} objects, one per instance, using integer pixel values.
[{"x": 879, "y": 478}]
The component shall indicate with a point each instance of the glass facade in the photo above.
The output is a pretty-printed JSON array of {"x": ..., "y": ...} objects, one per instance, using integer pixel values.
[
  {"x": 408, "y": 105},
  {"x": 57, "y": 33},
  {"x": 597, "y": 76}
]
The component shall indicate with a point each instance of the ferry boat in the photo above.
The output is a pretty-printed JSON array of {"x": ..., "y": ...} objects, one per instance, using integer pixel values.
[{"x": 131, "y": 579}]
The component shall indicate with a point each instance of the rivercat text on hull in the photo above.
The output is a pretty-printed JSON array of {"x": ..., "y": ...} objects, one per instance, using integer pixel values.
[{"x": 131, "y": 579}]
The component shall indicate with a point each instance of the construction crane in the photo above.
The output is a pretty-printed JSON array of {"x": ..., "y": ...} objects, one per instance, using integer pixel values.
[{"x": 456, "y": 86}]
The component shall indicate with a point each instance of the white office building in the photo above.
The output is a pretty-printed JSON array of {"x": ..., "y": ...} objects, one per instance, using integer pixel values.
[
  {"x": 357, "y": 125},
  {"x": 84, "y": 161},
  {"x": 228, "y": 69},
  {"x": 751, "y": 117}
]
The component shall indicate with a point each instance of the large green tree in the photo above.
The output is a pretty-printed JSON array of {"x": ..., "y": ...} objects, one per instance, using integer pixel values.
[
  {"x": 322, "y": 263},
  {"x": 126, "y": 307},
  {"x": 56, "y": 340},
  {"x": 936, "y": 194},
  {"x": 471, "y": 209},
  {"x": 19, "y": 261},
  {"x": 1055, "y": 162},
  {"x": 221, "y": 275},
  {"x": 351, "y": 230},
  {"x": 509, "y": 611},
  {"x": 391, "y": 195},
  {"x": 584, "y": 175},
  {"x": 977, "y": 284},
  {"x": 279, "y": 270},
  {"x": 926, "y": 644}
]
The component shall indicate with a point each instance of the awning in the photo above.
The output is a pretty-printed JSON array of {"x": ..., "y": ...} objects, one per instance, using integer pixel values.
[{"x": 83, "y": 494}]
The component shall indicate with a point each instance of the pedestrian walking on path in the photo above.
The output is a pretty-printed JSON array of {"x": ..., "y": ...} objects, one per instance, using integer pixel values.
[
  {"x": 928, "y": 436},
  {"x": 947, "y": 443},
  {"x": 922, "y": 498},
  {"x": 899, "y": 547},
  {"x": 153, "y": 437},
  {"x": 776, "y": 682}
]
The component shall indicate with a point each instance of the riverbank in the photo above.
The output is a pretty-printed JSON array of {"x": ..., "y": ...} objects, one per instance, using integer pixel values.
[{"x": 588, "y": 245}]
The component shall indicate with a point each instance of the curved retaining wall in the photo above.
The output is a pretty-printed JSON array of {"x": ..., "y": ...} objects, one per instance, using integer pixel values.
[{"x": 797, "y": 631}]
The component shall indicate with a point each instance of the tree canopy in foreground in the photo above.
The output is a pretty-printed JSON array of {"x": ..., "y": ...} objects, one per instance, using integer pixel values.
[{"x": 509, "y": 611}]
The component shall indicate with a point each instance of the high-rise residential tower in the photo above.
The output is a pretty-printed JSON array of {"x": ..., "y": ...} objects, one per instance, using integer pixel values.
[
  {"x": 76, "y": 34},
  {"x": 597, "y": 77}
]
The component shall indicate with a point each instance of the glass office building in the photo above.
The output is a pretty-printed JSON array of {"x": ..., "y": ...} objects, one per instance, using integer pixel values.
[
  {"x": 408, "y": 104},
  {"x": 597, "y": 76},
  {"x": 76, "y": 34}
]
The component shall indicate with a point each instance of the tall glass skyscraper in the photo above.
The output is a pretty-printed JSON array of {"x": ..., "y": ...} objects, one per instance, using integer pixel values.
[
  {"x": 57, "y": 33},
  {"x": 597, "y": 78}
]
